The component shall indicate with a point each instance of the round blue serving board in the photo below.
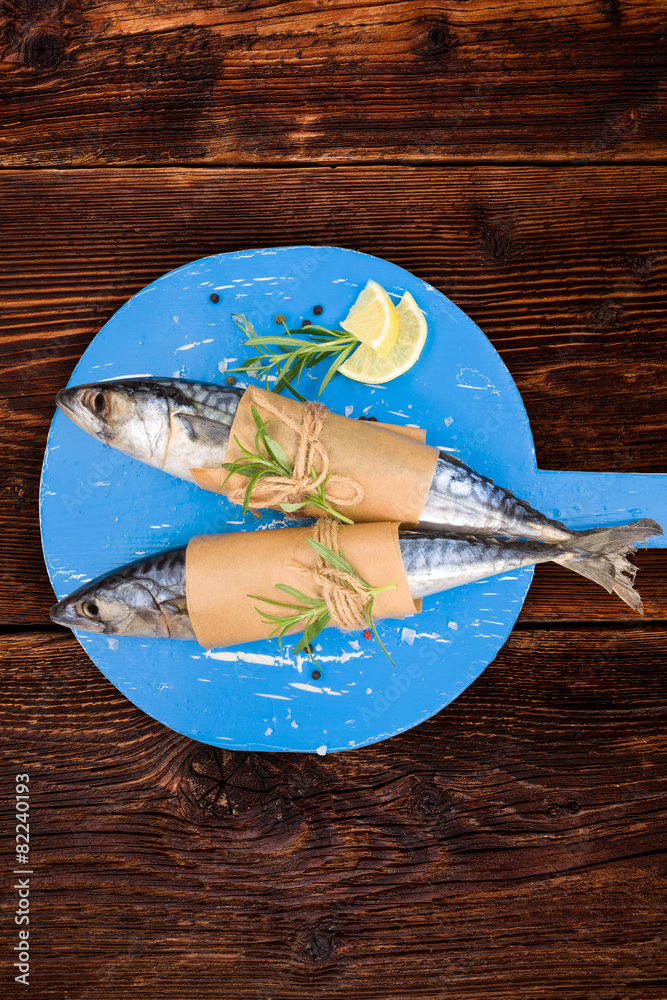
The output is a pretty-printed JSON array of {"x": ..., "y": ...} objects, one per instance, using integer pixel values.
[{"x": 100, "y": 509}]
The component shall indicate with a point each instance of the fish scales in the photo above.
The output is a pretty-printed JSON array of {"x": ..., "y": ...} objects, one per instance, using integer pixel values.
[
  {"x": 463, "y": 500},
  {"x": 437, "y": 562}
]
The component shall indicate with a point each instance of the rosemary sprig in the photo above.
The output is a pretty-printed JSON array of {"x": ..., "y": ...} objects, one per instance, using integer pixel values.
[
  {"x": 287, "y": 355},
  {"x": 312, "y": 613},
  {"x": 270, "y": 459}
]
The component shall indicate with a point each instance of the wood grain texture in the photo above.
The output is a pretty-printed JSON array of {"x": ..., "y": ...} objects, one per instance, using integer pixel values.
[
  {"x": 288, "y": 81},
  {"x": 510, "y": 847},
  {"x": 513, "y": 846},
  {"x": 564, "y": 270}
]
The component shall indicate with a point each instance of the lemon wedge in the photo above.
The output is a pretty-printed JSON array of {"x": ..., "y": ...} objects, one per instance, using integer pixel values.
[
  {"x": 369, "y": 366},
  {"x": 373, "y": 319}
]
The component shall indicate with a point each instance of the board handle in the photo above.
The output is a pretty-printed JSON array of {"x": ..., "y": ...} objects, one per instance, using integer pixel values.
[{"x": 594, "y": 499}]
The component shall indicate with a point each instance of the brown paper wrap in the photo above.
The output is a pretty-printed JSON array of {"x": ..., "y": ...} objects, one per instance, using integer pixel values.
[
  {"x": 414, "y": 433},
  {"x": 222, "y": 570},
  {"x": 392, "y": 464}
]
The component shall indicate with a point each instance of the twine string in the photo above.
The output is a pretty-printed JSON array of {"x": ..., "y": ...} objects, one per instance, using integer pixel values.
[
  {"x": 345, "y": 596},
  {"x": 272, "y": 491}
]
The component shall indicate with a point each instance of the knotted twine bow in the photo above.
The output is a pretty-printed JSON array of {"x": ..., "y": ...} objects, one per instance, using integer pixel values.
[
  {"x": 272, "y": 491},
  {"x": 345, "y": 596}
]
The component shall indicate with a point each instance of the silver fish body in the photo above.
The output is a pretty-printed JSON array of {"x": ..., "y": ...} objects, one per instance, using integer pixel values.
[
  {"x": 144, "y": 598},
  {"x": 463, "y": 500},
  {"x": 437, "y": 562},
  {"x": 172, "y": 424},
  {"x": 148, "y": 597},
  {"x": 177, "y": 425}
]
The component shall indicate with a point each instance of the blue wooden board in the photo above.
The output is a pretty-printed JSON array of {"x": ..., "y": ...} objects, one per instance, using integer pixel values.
[{"x": 100, "y": 509}]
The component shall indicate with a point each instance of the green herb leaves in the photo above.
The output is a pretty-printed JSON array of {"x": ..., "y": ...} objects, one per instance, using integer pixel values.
[
  {"x": 270, "y": 461},
  {"x": 296, "y": 350},
  {"x": 313, "y": 613}
]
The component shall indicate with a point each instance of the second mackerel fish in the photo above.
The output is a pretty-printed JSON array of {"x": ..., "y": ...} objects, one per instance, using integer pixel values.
[{"x": 148, "y": 597}]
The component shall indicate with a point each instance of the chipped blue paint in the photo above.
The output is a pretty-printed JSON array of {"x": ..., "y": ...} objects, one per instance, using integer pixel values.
[{"x": 100, "y": 509}]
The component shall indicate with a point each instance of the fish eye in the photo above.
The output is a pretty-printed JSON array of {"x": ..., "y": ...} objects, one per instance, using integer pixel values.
[
  {"x": 99, "y": 402},
  {"x": 90, "y": 609}
]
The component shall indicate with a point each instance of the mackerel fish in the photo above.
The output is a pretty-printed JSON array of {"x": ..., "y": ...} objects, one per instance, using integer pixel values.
[
  {"x": 148, "y": 598},
  {"x": 176, "y": 425}
]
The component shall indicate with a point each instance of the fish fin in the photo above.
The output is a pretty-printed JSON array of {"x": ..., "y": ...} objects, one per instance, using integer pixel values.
[
  {"x": 178, "y": 605},
  {"x": 606, "y": 564},
  {"x": 615, "y": 574},
  {"x": 621, "y": 539},
  {"x": 203, "y": 429}
]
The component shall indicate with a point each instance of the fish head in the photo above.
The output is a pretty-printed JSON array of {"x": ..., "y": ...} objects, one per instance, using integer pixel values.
[
  {"x": 130, "y": 415},
  {"x": 113, "y": 605}
]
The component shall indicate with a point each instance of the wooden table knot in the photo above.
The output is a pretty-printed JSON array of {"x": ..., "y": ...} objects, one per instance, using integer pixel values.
[
  {"x": 43, "y": 49},
  {"x": 322, "y": 942}
]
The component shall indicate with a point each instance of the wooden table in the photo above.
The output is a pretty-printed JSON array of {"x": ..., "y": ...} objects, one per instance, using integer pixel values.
[{"x": 514, "y": 156}]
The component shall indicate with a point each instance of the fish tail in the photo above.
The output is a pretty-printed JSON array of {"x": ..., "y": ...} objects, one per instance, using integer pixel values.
[
  {"x": 599, "y": 555},
  {"x": 621, "y": 539}
]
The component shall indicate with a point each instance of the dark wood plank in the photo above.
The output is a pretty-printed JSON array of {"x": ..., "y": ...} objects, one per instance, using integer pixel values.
[
  {"x": 510, "y": 847},
  {"x": 89, "y": 83},
  {"x": 555, "y": 596},
  {"x": 563, "y": 269}
]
